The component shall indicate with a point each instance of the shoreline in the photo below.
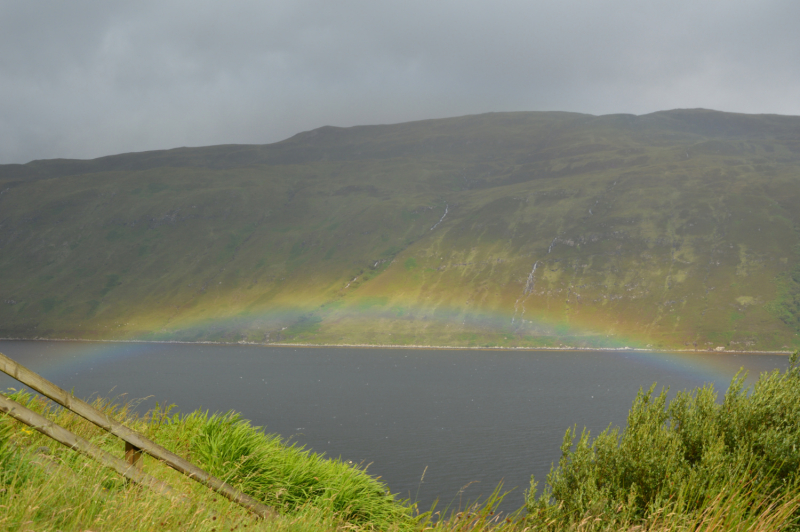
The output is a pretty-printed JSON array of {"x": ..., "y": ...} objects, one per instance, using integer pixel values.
[{"x": 406, "y": 346}]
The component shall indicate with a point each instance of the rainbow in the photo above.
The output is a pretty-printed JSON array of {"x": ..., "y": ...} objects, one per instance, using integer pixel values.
[{"x": 376, "y": 323}]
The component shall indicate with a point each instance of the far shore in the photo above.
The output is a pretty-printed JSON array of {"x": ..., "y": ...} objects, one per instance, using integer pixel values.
[{"x": 407, "y": 346}]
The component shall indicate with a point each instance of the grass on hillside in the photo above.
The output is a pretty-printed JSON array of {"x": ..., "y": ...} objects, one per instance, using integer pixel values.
[
  {"x": 693, "y": 464},
  {"x": 674, "y": 230}
]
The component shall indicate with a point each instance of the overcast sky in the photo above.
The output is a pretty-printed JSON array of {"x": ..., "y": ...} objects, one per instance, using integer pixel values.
[{"x": 86, "y": 79}]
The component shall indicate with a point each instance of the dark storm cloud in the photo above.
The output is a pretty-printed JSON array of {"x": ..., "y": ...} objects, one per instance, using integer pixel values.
[{"x": 84, "y": 79}]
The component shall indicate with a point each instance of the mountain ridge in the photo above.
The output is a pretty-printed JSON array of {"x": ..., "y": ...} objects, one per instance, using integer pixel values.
[{"x": 736, "y": 125}]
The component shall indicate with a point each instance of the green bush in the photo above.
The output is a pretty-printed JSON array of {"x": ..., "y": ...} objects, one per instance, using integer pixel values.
[{"x": 682, "y": 455}]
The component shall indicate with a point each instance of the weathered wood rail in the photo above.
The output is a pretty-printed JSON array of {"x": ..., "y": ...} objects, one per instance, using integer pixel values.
[
  {"x": 135, "y": 443},
  {"x": 65, "y": 437}
]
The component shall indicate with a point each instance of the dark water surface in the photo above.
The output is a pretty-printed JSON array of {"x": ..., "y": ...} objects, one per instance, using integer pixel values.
[{"x": 459, "y": 416}]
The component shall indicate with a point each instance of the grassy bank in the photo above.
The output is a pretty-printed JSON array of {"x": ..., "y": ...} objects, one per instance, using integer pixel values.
[
  {"x": 694, "y": 463},
  {"x": 48, "y": 486}
]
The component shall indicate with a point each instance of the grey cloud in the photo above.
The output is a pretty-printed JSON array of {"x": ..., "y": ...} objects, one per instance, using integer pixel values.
[{"x": 85, "y": 79}]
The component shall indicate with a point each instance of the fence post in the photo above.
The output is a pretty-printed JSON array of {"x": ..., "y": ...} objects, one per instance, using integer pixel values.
[{"x": 133, "y": 455}]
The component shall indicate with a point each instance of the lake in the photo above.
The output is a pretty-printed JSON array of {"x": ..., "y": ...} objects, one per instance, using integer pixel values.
[{"x": 468, "y": 418}]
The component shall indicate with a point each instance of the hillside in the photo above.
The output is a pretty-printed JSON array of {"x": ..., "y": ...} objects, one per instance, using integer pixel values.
[{"x": 675, "y": 229}]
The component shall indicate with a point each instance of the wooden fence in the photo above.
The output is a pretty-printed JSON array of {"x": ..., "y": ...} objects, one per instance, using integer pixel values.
[{"x": 135, "y": 443}]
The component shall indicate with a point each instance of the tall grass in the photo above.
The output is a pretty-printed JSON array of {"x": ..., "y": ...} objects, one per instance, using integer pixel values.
[
  {"x": 45, "y": 486},
  {"x": 286, "y": 477}
]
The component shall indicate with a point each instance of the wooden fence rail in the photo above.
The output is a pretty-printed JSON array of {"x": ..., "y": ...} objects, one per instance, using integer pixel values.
[
  {"x": 135, "y": 442},
  {"x": 65, "y": 437}
]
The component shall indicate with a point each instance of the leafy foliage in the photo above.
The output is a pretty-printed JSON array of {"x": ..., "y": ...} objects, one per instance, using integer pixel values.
[{"x": 682, "y": 455}]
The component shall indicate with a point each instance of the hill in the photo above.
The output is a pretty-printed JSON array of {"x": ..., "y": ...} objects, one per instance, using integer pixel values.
[{"x": 673, "y": 229}]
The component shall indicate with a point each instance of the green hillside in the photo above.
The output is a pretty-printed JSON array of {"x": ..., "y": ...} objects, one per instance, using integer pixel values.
[{"x": 674, "y": 229}]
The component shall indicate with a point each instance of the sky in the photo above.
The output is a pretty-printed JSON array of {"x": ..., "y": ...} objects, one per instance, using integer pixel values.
[{"x": 85, "y": 79}]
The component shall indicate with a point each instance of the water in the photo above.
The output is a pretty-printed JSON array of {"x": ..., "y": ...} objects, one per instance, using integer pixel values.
[{"x": 464, "y": 418}]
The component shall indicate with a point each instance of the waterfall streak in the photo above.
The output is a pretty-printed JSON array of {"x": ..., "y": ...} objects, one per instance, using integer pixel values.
[
  {"x": 442, "y": 218},
  {"x": 531, "y": 280}
]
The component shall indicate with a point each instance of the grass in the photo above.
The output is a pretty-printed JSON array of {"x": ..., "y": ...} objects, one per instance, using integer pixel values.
[
  {"x": 693, "y": 464},
  {"x": 45, "y": 486}
]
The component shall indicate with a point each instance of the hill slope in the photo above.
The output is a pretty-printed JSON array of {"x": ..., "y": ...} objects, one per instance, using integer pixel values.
[{"x": 673, "y": 229}]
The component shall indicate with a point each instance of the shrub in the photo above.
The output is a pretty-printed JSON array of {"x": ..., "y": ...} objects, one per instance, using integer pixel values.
[{"x": 682, "y": 455}]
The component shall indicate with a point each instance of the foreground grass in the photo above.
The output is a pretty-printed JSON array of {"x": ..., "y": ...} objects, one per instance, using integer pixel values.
[
  {"x": 694, "y": 464},
  {"x": 46, "y": 485}
]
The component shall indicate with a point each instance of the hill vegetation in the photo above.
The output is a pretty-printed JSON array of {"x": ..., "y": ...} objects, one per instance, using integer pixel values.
[{"x": 678, "y": 229}]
